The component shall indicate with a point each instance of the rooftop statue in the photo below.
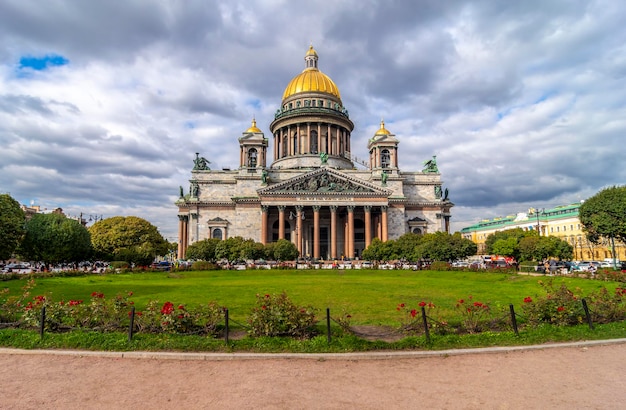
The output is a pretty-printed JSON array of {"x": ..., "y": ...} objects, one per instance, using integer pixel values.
[
  {"x": 200, "y": 163},
  {"x": 430, "y": 166},
  {"x": 383, "y": 178}
]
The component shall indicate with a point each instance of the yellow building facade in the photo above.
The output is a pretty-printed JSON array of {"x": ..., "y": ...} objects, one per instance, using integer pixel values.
[{"x": 561, "y": 222}]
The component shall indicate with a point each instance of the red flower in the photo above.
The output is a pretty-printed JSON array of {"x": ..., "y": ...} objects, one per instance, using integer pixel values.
[
  {"x": 431, "y": 305},
  {"x": 478, "y": 304},
  {"x": 422, "y": 304},
  {"x": 180, "y": 316},
  {"x": 461, "y": 301},
  {"x": 528, "y": 299},
  {"x": 413, "y": 313},
  {"x": 401, "y": 305},
  {"x": 168, "y": 307},
  {"x": 263, "y": 307},
  {"x": 348, "y": 316},
  {"x": 560, "y": 309},
  {"x": 181, "y": 307}
]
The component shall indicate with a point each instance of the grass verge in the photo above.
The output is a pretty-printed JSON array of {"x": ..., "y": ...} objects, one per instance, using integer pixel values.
[{"x": 340, "y": 343}]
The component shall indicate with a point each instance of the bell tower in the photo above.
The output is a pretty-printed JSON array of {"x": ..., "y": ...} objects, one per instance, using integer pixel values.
[{"x": 253, "y": 149}]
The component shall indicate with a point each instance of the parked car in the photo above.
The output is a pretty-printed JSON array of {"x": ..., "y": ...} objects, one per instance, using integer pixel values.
[{"x": 162, "y": 265}]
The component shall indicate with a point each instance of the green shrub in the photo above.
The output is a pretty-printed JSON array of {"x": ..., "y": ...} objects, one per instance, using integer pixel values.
[
  {"x": 203, "y": 319},
  {"x": 277, "y": 315},
  {"x": 440, "y": 266},
  {"x": 119, "y": 265},
  {"x": 204, "y": 265},
  {"x": 560, "y": 306}
]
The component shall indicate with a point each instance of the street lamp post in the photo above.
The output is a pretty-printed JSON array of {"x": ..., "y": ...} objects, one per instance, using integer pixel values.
[{"x": 538, "y": 225}]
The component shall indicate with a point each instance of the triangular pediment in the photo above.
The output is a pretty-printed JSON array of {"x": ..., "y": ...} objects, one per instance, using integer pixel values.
[{"x": 324, "y": 181}]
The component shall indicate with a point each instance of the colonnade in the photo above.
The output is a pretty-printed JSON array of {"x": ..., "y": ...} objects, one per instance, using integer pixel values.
[
  {"x": 296, "y": 140},
  {"x": 341, "y": 217}
]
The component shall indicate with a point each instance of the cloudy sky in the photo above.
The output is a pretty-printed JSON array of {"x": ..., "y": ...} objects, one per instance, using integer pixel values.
[{"x": 104, "y": 103}]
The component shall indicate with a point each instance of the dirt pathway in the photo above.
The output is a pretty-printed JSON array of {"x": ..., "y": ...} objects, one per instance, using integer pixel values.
[{"x": 581, "y": 377}]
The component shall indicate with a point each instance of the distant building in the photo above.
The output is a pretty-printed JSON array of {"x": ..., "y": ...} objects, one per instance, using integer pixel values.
[
  {"x": 561, "y": 222},
  {"x": 312, "y": 193}
]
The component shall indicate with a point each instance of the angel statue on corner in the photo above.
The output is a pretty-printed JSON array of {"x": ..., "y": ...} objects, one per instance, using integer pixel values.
[
  {"x": 430, "y": 166},
  {"x": 200, "y": 163}
]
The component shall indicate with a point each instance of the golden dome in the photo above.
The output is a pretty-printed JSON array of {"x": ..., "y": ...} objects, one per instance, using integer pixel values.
[
  {"x": 254, "y": 127},
  {"x": 382, "y": 130},
  {"x": 311, "y": 79}
]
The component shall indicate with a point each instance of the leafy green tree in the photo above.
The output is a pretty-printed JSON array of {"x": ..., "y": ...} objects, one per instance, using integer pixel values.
[
  {"x": 463, "y": 247},
  {"x": 511, "y": 248},
  {"x": 538, "y": 248},
  {"x": 604, "y": 216},
  {"x": 12, "y": 222},
  {"x": 237, "y": 248},
  {"x": 284, "y": 250},
  {"x": 131, "y": 239},
  {"x": 203, "y": 250},
  {"x": 506, "y": 247},
  {"x": 441, "y": 246},
  {"x": 54, "y": 238},
  {"x": 406, "y": 245},
  {"x": 527, "y": 248},
  {"x": 382, "y": 251}
]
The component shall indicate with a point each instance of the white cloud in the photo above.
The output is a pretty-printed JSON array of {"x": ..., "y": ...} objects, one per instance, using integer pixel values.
[{"x": 522, "y": 103}]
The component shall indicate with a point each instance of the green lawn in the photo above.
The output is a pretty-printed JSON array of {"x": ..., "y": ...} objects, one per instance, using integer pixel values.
[{"x": 370, "y": 296}]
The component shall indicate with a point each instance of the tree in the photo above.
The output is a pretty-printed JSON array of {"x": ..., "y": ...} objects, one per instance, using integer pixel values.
[
  {"x": 538, "y": 248},
  {"x": 54, "y": 238},
  {"x": 202, "y": 250},
  {"x": 284, "y": 250},
  {"x": 382, "y": 251},
  {"x": 406, "y": 245},
  {"x": 441, "y": 246},
  {"x": 131, "y": 239},
  {"x": 604, "y": 215},
  {"x": 12, "y": 221}
]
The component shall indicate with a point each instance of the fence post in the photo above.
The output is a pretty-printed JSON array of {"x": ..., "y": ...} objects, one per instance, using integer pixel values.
[
  {"x": 513, "y": 319},
  {"x": 226, "y": 327},
  {"x": 132, "y": 323},
  {"x": 587, "y": 314},
  {"x": 425, "y": 321},
  {"x": 42, "y": 323},
  {"x": 328, "y": 323}
]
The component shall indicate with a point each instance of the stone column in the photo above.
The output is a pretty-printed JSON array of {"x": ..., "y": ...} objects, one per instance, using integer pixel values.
[
  {"x": 368, "y": 225},
  {"x": 350, "y": 231},
  {"x": 383, "y": 210},
  {"x": 180, "y": 254},
  {"x": 316, "y": 231},
  {"x": 319, "y": 138},
  {"x": 333, "y": 231},
  {"x": 299, "y": 228},
  {"x": 264, "y": 212},
  {"x": 281, "y": 221}
]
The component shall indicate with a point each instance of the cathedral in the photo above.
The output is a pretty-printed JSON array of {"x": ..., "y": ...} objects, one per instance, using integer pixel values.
[{"x": 311, "y": 192}]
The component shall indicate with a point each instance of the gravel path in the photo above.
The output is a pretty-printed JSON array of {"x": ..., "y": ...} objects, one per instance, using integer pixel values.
[{"x": 577, "y": 376}]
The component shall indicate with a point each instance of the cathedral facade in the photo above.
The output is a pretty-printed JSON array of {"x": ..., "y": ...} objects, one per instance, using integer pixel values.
[{"x": 312, "y": 192}]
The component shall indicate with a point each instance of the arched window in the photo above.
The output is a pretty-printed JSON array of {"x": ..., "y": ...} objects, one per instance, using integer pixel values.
[
  {"x": 284, "y": 150},
  {"x": 313, "y": 142},
  {"x": 217, "y": 233},
  {"x": 417, "y": 231},
  {"x": 385, "y": 158},
  {"x": 252, "y": 157}
]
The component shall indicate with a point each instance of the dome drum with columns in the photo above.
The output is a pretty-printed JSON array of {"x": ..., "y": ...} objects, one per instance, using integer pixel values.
[{"x": 312, "y": 193}]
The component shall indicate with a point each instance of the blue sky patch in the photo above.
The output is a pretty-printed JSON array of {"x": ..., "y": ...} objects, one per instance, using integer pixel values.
[{"x": 42, "y": 63}]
